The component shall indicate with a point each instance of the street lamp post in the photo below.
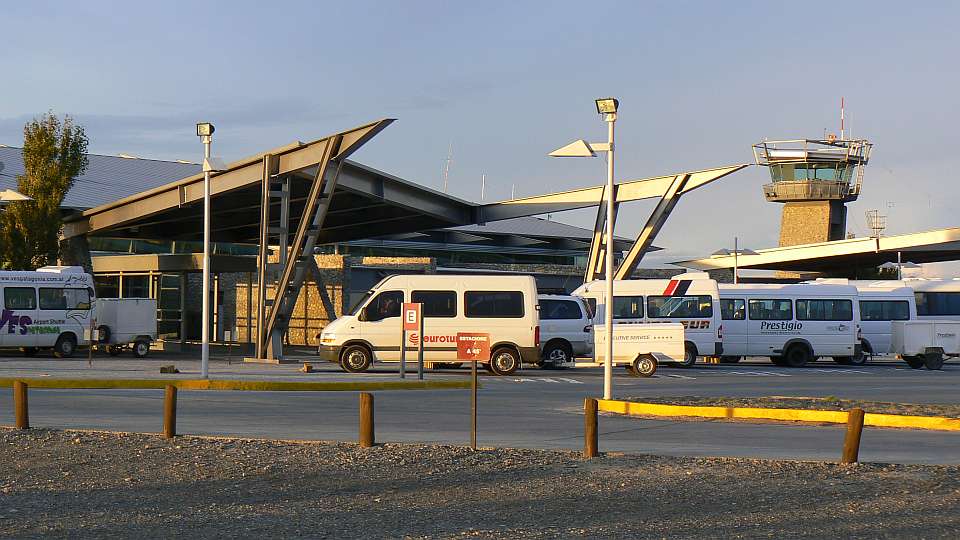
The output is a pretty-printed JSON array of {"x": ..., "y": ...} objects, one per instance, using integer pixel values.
[
  {"x": 205, "y": 132},
  {"x": 736, "y": 254},
  {"x": 580, "y": 148}
]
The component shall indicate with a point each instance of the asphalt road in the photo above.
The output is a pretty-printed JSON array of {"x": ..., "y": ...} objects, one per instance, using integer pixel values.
[{"x": 532, "y": 409}]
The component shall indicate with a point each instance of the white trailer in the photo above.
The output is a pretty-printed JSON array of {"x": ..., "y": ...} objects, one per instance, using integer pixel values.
[
  {"x": 926, "y": 343},
  {"x": 640, "y": 347},
  {"x": 127, "y": 322}
]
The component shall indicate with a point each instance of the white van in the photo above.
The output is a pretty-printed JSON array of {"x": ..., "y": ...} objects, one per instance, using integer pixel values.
[
  {"x": 881, "y": 303},
  {"x": 565, "y": 329},
  {"x": 503, "y": 306},
  {"x": 46, "y": 309},
  {"x": 792, "y": 324},
  {"x": 690, "y": 299}
]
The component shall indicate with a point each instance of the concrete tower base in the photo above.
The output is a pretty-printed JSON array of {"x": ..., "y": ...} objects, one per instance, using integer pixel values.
[{"x": 810, "y": 222}]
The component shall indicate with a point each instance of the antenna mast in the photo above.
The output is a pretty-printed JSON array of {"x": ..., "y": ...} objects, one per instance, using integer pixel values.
[
  {"x": 842, "y": 132},
  {"x": 446, "y": 168}
]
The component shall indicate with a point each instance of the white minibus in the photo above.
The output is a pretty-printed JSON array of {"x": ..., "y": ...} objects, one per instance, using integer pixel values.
[
  {"x": 881, "y": 303},
  {"x": 937, "y": 299},
  {"x": 791, "y": 324},
  {"x": 690, "y": 299},
  {"x": 46, "y": 309},
  {"x": 503, "y": 306}
]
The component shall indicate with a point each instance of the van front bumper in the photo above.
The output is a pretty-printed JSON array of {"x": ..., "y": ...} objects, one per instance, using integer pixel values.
[{"x": 329, "y": 353}]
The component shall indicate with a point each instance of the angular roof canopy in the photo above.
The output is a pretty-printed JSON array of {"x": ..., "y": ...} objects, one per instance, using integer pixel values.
[{"x": 922, "y": 247}]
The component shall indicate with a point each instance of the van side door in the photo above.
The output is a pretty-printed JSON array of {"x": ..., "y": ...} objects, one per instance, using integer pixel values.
[
  {"x": 440, "y": 324},
  {"x": 733, "y": 313}
]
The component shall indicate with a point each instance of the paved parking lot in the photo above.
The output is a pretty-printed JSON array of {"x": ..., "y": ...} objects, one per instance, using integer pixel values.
[{"x": 531, "y": 409}]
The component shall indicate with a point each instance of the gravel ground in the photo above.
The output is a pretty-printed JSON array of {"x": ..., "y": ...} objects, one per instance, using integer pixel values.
[
  {"x": 951, "y": 410},
  {"x": 95, "y": 485}
]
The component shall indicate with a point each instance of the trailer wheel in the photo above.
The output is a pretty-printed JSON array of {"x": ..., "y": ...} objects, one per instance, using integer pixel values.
[
  {"x": 797, "y": 356},
  {"x": 141, "y": 348},
  {"x": 114, "y": 350},
  {"x": 504, "y": 361},
  {"x": 355, "y": 359},
  {"x": 933, "y": 360},
  {"x": 65, "y": 346},
  {"x": 915, "y": 362},
  {"x": 644, "y": 365}
]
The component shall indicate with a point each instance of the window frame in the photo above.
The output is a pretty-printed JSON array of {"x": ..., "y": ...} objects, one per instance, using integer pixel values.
[
  {"x": 543, "y": 312},
  {"x": 466, "y": 305},
  {"x": 806, "y": 318},
  {"x": 435, "y": 291},
  {"x": 365, "y": 318},
  {"x": 743, "y": 309},
  {"x": 642, "y": 303},
  {"x": 649, "y": 311},
  {"x": 6, "y": 297},
  {"x": 906, "y": 304},
  {"x": 752, "y": 300}
]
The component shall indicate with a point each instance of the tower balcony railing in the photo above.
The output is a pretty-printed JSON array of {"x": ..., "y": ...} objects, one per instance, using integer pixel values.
[{"x": 811, "y": 190}]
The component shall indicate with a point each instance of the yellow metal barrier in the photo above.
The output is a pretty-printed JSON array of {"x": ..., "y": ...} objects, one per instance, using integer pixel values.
[
  {"x": 794, "y": 415},
  {"x": 255, "y": 386}
]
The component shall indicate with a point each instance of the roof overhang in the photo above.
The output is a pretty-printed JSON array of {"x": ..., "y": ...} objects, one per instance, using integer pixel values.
[{"x": 923, "y": 247}]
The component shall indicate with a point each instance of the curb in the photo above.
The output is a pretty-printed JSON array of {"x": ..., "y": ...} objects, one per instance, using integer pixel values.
[
  {"x": 632, "y": 408},
  {"x": 253, "y": 386}
]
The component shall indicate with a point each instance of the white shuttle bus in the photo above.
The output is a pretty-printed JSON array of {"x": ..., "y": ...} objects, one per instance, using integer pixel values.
[
  {"x": 691, "y": 299},
  {"x": 791, "y": 324},
  {"x": 503, "y": 306},
  {"x": 936, "y": 299},
  {"x": 46, "y": 309}
]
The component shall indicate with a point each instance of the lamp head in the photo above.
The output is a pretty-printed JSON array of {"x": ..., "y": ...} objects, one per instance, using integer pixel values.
[
  {"x": 607, "y": 105},
  {"x": 205, "y": 129}
]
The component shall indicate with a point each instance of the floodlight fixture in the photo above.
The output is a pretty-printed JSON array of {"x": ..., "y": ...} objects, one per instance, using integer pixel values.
[
  {"x": 607, "y": 105},
  {"x": 205, "y": 129}
]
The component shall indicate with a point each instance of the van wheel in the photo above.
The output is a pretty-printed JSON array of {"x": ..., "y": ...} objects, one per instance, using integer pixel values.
[
  {"x": 65, "y": 346},
  {"x": 778, "y": 361},
  {"x": 797, "y": 356},
  {"x": 504, "y": 361},
  {"x": 141, "y": 348},
  {"x": 557, "y": 353},
  {"x": 933, "y": 360},
  {"x": 689, "y": 355},
  {"x": 29, "y": 352},
  {"x": 644, "y": 365},
  {"x": 355, "y": 359},
  {"x": 856, "y": 360},
  {"x": 915, "y": 362}
]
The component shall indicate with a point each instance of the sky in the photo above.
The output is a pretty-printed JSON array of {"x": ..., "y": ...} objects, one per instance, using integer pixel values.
[{"x": 504, "y": 83}]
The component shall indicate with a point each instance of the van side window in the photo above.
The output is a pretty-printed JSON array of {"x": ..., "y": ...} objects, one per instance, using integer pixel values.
[
  {"x": 733, "y": 309},
  {"x": 591, "y": 307},
  {"x": 383, "y": 306},
  {"x": 627, "y": 307},
  {"x": 665, "y": 307},
  {"x": 884, "y": 310},
  {"x": 436, "y": 303},
  {"x": 824, "y": 310},
  {"x": 52, "y": 298},
  {"x": 493, "y": 304},
  {"x": 77, "y": 298},
  {"x": 938, "y": 303},
  {"x": 19, "y": 298},
  {"x": 770, "y": 310},
  {"x": 559, "y": 309}
]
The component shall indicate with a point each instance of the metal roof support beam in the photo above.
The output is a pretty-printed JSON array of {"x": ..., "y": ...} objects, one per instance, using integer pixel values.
[
  {"x": 295, "y": 267},
  {"x": 652, "y": 227},
  {"x": 598, "y": 244},
  {"x": 270, "y": 168}
]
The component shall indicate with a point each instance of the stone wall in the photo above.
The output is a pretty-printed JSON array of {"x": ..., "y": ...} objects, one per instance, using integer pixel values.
[{"x": 811, "y": 222}]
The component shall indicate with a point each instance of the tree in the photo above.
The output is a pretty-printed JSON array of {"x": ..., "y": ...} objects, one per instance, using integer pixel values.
[{"x": 54, "y": 155}]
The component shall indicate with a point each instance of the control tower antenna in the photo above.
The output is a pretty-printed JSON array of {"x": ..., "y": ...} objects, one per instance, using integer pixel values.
[
  {"x": 814, "y": 179},
  {"x": 446, "y": 167},
  {"x": 842, "y": 132},
  {"x": 877, "y": 222}
]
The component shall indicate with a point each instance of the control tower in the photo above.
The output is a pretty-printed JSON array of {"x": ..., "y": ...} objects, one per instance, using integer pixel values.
[{"x": 814, "y": 179}]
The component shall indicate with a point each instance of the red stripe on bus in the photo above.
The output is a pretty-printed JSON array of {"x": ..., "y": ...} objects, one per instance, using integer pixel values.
[{"x": 670, "y": 287}]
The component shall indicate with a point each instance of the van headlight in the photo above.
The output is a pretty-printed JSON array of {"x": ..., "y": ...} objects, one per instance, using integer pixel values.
[{"x": 327, "y": 339}]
